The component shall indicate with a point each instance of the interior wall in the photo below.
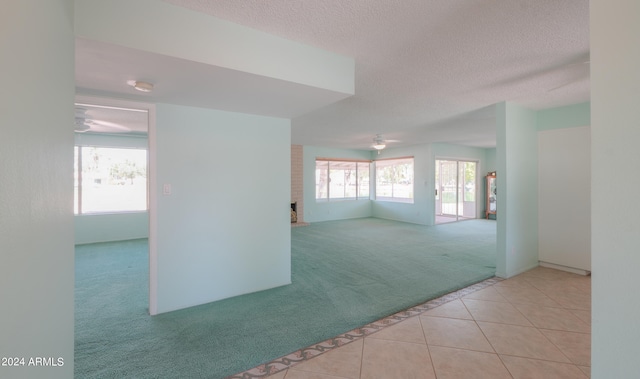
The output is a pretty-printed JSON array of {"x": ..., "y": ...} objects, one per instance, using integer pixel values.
[
  {"x": 564, "y": 177},
  {"x": 225, "y": 221},
  {"x": 180, "y": 32},
  {"x": 36, "y": 195},
  {"x": 517, "y": 184},
  {"x": 564, "y": 182},
  {"x": 213, "y": 219},
  {"x": 490, "y": 161},
  {"x": 615, "y": 117},
  {"x": 569, "y": 116},
  {"x": 94, "y": 228}
]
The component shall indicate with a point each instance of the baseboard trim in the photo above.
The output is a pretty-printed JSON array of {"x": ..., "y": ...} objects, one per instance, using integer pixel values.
[
  {"x": 573, "y": 270},
  {"x": 505, "y": 275}
]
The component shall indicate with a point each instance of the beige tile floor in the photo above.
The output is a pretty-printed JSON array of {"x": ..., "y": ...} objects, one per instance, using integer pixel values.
[{"x": 534, "y": 325}]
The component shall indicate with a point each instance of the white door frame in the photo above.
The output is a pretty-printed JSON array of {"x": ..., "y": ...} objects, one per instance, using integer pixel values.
[{"x": 151, "y": 184}]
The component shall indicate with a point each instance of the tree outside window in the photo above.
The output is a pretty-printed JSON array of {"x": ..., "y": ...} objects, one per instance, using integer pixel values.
[{"x": 110, "y": 180}]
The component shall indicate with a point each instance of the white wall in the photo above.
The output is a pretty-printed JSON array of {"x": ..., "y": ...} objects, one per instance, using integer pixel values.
[
  {"x": 92, "y": 228},
  {"x": 569, "y": 116},
  {"x": 220, "y": 227},
  {"x": 615, "y": 226},
  {"x": 170, "y": 30},
  {"x": 490, "y": 161},
  {"x": 36, "y": 185},
  {"x": 517, "y": 184},
  {"x": 225, "y": 228},
  {"x": 564, "y": 183}
]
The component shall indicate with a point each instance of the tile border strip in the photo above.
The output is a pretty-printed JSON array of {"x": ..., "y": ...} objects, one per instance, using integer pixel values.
[{"x": 304, "y": 354}]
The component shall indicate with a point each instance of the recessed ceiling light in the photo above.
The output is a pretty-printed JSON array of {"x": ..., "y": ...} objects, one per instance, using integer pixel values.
[{"x": 140, "y": 86}]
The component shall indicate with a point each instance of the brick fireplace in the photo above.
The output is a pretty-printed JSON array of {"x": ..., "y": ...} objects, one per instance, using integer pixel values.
[
  {"x": 297, "y": 191},
  {"x": 294, "y": 212}
]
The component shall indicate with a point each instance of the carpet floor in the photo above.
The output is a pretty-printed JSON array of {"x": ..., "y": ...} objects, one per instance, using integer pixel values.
[{"x": 345, "y": 274}]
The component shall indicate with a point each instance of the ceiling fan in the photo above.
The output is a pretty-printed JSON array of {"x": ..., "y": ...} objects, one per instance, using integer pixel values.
[
  {"x": 85, "y": 123},
  {"x": 379, "y": 142}
]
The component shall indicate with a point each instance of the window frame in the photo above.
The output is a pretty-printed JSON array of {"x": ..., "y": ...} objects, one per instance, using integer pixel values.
[
  {"x": 81, "y": 183},
  {"x": 326, "y": 191},
  {"x": 389, "y": 162}
]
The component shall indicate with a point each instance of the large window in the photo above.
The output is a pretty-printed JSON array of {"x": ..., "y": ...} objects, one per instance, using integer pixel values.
[
  {"x": 341, "y": 179},
  {"x": 109, "y": 180},
  {"x": 394, "y": 179}
]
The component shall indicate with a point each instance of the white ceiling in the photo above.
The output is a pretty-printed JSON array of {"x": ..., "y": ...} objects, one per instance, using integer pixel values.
[{"x": 426, "y": 70}]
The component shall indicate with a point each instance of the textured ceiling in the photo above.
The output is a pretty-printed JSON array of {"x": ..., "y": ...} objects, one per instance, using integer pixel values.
[
  {"x": 428, "y": 70},
  {"x": 427, "y": 66}
]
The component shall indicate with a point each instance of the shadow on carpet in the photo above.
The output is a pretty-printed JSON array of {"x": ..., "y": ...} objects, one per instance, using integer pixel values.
[{"x": 345, "y": 274}]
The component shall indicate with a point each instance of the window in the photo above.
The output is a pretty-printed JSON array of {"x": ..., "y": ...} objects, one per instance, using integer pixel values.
[
  {"x": 394, "y": 179},
  {"x": 341, "y": 179},
  {"x": 109, "y": 179}
]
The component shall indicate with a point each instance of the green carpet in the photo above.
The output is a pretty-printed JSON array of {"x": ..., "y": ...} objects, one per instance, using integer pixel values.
[{"x": 345, "y": 274}]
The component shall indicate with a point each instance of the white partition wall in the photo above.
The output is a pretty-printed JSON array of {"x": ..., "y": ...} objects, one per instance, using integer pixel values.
[
  {"x": 564, "y": 213},
  {"x": 517, "y": 178},
  {"x": 222, "y": 215},
  {"x": 36, "y": 187},
  {"x": 615, "y": 226}
]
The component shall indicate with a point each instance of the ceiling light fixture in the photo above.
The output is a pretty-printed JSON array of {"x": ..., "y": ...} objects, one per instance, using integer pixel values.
[
  {"x": 140, "y": 86},
  {"x": 379, "y": 143}
]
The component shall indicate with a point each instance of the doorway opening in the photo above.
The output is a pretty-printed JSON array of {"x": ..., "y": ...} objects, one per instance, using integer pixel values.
[
  {"x": 113, "y": 174},
  {"x": 455, "y": 190}
]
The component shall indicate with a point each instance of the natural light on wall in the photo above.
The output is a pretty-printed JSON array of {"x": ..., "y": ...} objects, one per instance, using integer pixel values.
[{"x": 109, "y": 180}]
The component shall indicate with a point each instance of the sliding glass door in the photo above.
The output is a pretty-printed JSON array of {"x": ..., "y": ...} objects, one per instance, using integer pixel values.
[{"x": 455, "y": 190}]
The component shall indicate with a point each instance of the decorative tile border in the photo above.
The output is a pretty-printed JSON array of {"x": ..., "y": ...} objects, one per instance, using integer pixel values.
[{"x": 283, "y": 363}]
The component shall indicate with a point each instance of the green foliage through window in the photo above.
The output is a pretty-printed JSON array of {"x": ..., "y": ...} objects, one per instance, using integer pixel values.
[
  {"x": 109, "y": 180},
  {"x": 394, "y": 179},
  {"x": 337, "y": 179}
]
